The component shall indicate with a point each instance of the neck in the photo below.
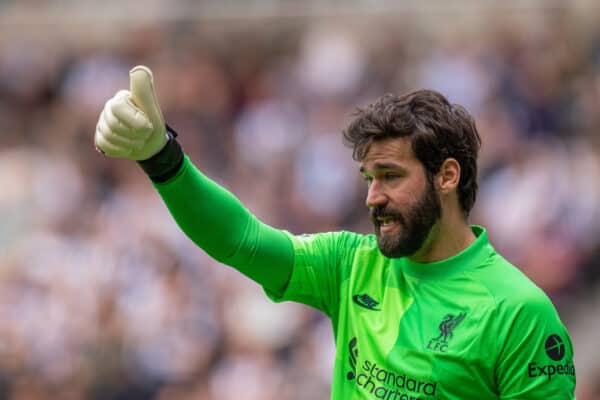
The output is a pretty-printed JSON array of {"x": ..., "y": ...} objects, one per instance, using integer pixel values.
[{"x": 448, "y": 237}]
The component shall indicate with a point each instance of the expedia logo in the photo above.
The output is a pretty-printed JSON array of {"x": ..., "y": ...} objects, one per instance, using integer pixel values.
[
  {"x": 555, "y": 350},
  {"x": 555, "y": 347}
]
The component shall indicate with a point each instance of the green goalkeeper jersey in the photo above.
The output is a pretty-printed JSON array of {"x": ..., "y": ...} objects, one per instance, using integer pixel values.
[{"x": 468, "y": 327}]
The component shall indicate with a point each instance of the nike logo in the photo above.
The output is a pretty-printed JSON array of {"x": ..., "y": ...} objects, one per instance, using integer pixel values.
[{"x": 366, "y": 301}]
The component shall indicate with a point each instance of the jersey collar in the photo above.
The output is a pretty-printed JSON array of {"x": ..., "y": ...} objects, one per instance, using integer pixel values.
[{"x": 474, "y": 255}]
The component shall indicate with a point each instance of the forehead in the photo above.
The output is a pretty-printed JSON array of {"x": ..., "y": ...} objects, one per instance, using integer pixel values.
[{"x": 393, "y": 150}]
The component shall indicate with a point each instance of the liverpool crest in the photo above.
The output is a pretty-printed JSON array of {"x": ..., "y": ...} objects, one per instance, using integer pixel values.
[{"x": 446, "y": 327}]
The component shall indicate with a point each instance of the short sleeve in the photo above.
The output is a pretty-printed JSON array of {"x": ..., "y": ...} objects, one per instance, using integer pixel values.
[
  {"x": 321, "y": 261},
  {"x": 535, "y": 355}
]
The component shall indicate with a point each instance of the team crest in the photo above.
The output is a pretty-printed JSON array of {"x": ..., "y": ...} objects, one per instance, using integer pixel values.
[{"x": 447, "y": 326}]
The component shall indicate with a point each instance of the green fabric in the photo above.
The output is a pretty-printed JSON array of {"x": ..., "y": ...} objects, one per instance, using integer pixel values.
[
  {"x": 216, "y": 221},
  {"x": 469, "y": 327}
]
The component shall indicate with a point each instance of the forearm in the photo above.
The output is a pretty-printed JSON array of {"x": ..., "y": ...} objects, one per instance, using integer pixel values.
[
  {"x": 216, "y": 221},
  {"x": 131, "y": 125}
]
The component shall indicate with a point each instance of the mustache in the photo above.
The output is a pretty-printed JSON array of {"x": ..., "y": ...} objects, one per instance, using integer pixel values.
[{"x": 385, "y": 212}]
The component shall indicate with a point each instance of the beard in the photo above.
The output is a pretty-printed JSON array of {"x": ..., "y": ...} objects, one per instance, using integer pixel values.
[{"x": 415, "y": 225}]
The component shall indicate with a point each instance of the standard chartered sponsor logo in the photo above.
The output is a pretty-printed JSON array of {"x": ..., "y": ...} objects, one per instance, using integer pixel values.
[{"x": 389, "y": 385}]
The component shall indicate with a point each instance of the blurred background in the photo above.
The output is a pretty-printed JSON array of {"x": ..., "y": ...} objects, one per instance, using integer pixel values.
[{"x": 102, "y": 297}]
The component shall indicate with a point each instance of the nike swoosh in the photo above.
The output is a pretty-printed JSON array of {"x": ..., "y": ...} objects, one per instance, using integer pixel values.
[{"x": 356, "y": 298}]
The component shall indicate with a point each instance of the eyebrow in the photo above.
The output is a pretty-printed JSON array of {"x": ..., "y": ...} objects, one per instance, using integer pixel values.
[{"x": 382, "y": 166}]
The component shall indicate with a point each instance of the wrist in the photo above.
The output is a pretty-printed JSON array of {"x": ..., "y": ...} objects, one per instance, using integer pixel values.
[{"x": 166, "y": 163}]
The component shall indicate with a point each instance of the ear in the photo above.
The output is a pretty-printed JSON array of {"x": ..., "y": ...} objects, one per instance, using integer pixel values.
[{"x": 448, "y": 177}]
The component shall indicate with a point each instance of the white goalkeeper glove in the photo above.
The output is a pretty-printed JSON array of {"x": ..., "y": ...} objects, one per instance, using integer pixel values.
[{"x": 131, "y": 124}]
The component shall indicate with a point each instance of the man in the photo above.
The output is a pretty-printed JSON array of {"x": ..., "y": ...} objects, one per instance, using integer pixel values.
[{"x": 423, "y": 309}]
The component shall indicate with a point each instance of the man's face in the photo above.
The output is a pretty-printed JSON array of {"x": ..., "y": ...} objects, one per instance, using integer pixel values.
[{"x": 404, "y": 205}]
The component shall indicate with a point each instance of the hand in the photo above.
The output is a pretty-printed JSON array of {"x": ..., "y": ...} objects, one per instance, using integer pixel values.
[{"x": 131, "y": 124}]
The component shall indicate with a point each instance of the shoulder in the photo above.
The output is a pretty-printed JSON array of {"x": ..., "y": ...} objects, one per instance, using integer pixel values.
[
  {"x": 506, "y": 283},
  {"x": 515, "y": 296},
  {"x": 334, "y": 241},
  {"x": 338, "y": 251}
]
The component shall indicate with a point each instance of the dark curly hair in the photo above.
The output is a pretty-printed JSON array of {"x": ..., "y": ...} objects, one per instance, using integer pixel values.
[{"x": 437, "y": 129}]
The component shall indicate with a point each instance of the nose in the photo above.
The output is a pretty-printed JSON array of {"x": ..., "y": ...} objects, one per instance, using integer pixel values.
[{"x": 375, "y": 196}]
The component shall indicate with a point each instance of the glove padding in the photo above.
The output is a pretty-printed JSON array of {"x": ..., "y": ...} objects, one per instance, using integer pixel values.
[{"x": 131, "y": 124}]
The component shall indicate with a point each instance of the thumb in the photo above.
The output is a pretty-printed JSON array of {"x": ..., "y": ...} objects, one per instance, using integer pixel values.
[{"x": 143, "y": 96}]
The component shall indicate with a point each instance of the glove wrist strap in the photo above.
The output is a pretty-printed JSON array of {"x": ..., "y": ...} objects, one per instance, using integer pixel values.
[{"x": 166, "y": 163}]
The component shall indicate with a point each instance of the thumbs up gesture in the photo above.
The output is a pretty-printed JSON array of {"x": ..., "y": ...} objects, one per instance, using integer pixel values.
[{"x": 131, "y": 124}]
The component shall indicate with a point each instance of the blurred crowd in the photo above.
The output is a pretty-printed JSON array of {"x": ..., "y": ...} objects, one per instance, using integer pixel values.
[{"x": 101, "y": 295}]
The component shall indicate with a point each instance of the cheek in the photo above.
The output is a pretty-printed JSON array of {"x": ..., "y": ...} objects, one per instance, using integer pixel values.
[
  {"x": 403, "y": 198},
  {"x": 406, "y": 195}
]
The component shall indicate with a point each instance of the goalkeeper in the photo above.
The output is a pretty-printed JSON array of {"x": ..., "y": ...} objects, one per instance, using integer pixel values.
[{"x": 423, "y": 309}]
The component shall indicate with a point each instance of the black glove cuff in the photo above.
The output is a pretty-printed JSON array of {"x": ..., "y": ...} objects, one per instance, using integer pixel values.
[{"x": 166, "y": 163}]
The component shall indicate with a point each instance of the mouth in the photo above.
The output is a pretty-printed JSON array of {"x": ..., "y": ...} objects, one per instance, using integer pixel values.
[{"x": 386, "y": 224}]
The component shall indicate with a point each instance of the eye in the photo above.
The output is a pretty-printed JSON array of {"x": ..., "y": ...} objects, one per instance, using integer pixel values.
[
  {"x": 391, "y": 175},
  {"x": 367, "y": 179}
]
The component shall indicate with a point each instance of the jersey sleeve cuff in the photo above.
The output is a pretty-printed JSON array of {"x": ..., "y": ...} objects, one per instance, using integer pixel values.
[{"x": 167, "y": 162}]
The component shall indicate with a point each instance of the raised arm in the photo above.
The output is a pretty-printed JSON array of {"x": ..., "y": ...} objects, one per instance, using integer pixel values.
[{"x": 131, "y": 126}]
